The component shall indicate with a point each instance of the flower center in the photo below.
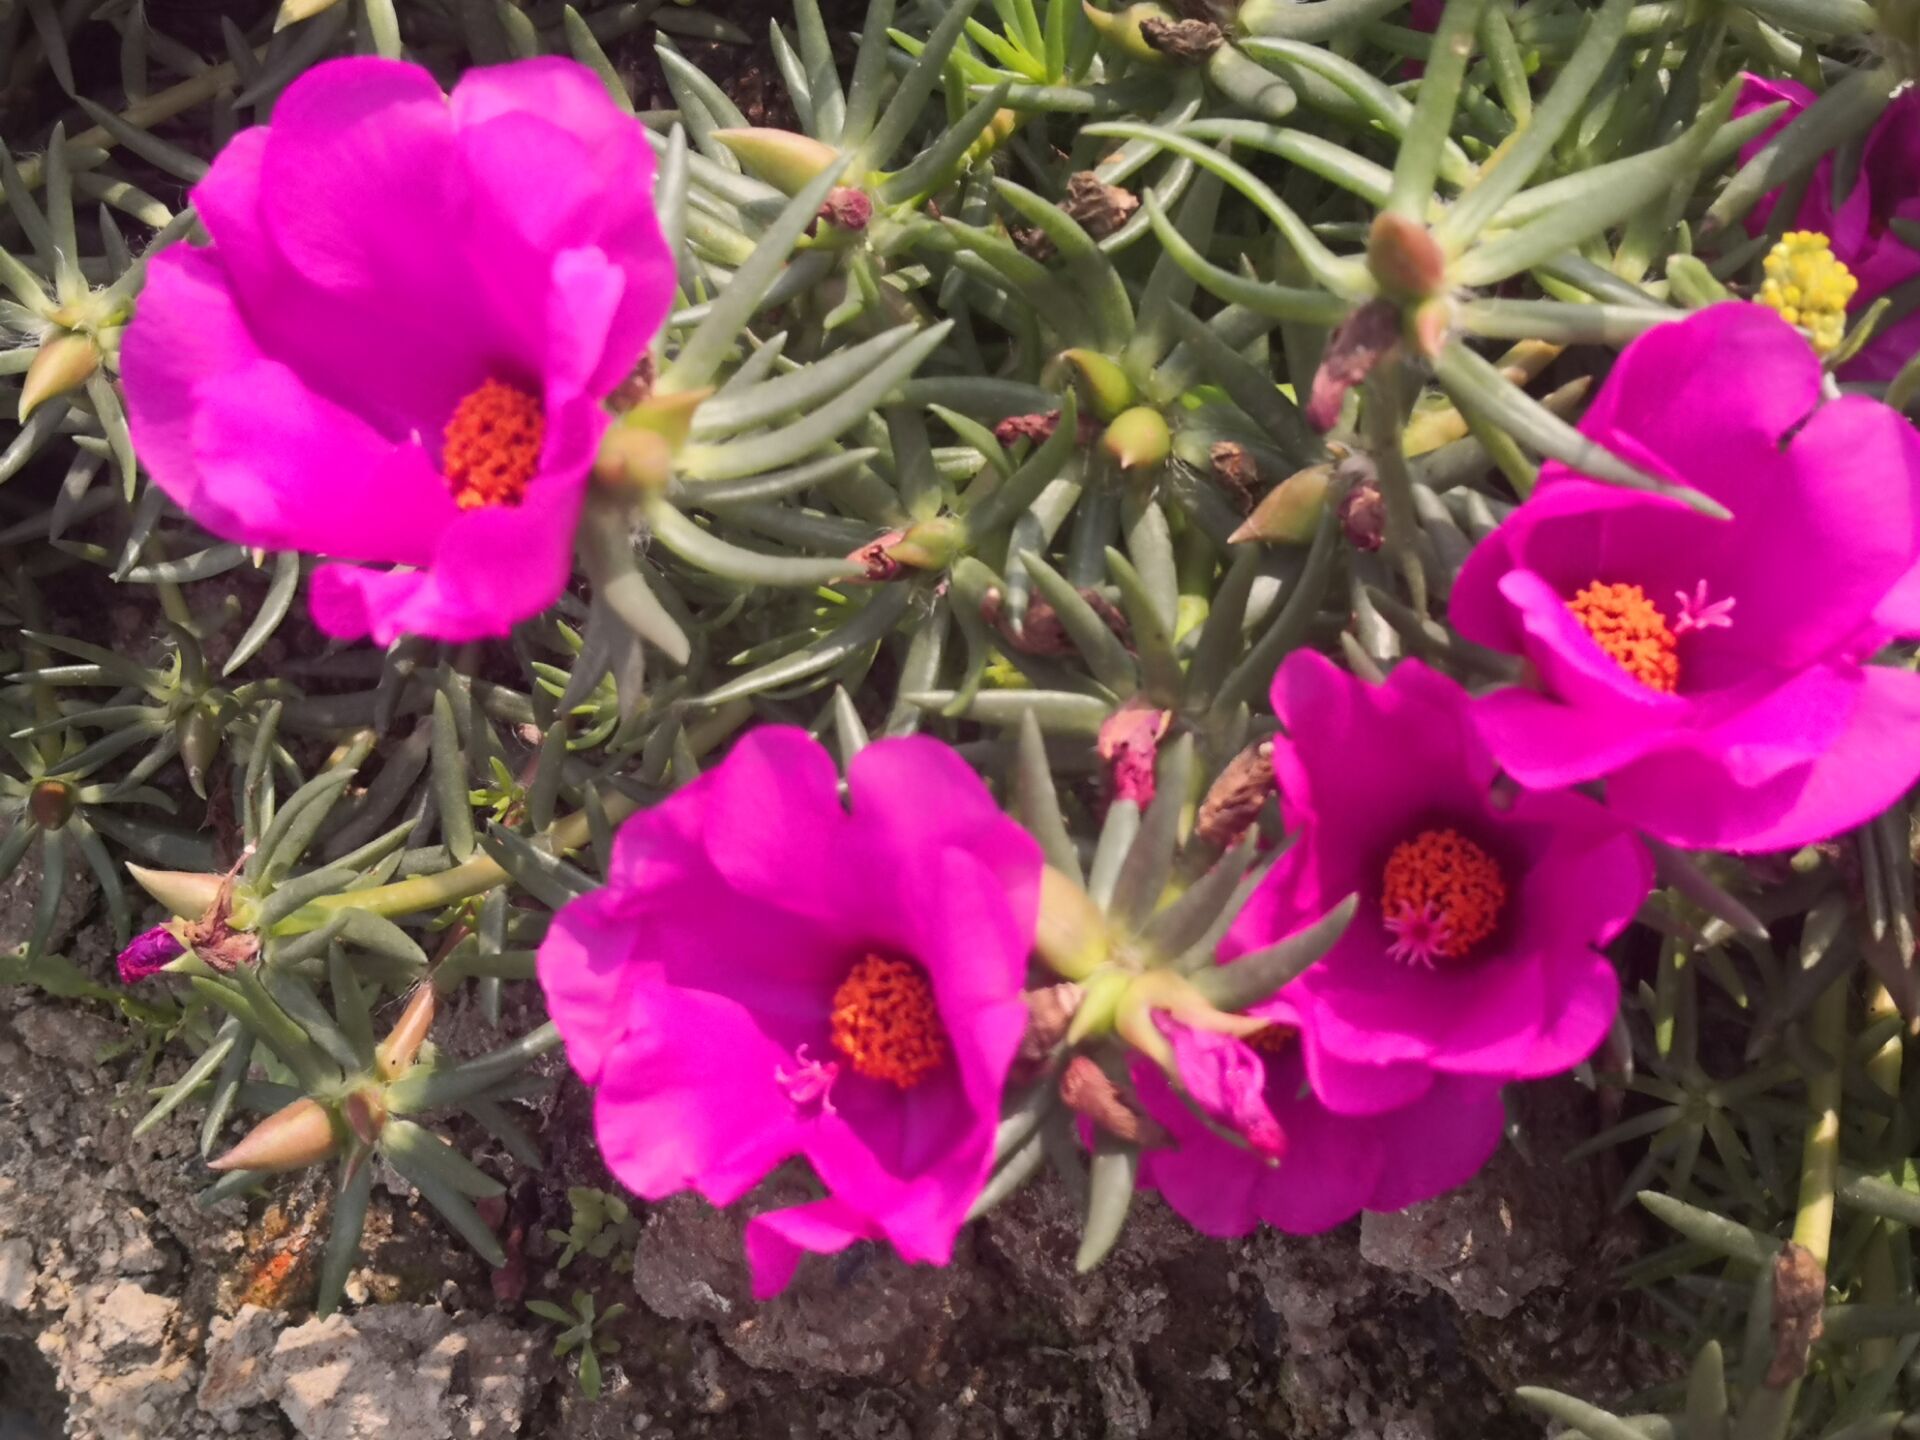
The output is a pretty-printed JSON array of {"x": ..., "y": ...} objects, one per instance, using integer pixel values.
[
  {"x": 1440, "y": 896},
  {"x": 1630, "y": 628},
  {"x": 1274, "y": 1039},
  {"x": 887, "y": 1023},
  {"x": 492, "y": 445},
  {"x": 1809, "y": 286}
]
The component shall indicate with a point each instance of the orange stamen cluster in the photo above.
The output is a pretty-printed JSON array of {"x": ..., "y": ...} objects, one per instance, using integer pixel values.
[
  {"x": 1630, "y": 628},
  {"x": 887, "y": 1023},
  {"x": 492, "y": 445},
  {"x": 1450, "y": 882}
]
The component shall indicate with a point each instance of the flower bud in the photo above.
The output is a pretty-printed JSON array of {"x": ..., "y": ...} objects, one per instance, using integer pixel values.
[
  {"x": 785, "y": 160},
  {"x": 292, "y": 12},
  {"x": 847, "y": 209},
  {"x": 633, "y": 460},
  {"x": 1138, "y": 438},
  {"x": 1290, "y": 512},
  {"x": 65, "y": 361},
  {"x": 1122, "y": 27},
  {"x": 188, "y": 894},
  {"x": 289, "y": 1139},
  {"x": 1129, "y": 741},
  {"x": 50, "y": 803},
  {"x": 397, "y": 1051},
  {"x": 1071, "y": 935},
  {"x": 199, "y": 736},
  {"x": 1103, "y": 384},
  {"x": 1404, "y": 257},
  {"x": 365, "y": 1111}
]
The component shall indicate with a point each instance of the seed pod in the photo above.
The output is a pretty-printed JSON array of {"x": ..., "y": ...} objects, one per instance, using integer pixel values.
[
  {"x": 1290, "y": 512},
  {"x": 1138, "y": 438},
  {"x": 65, "y": 361}
]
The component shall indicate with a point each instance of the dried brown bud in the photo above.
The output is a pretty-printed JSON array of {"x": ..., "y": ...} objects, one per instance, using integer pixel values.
[
  {"x": 50, "y": 803},
  {"x": 1086, "y": 1090},
  {"x": 1189, "y": 40},
  {"x": 1049, "y": 1013},
  {"x": 1031, "y": 241},
  {"x": 1363, "y": 515},
  {"x": 638, "y": 386},
  {"x": 847, "y": 208},
  {"x": 1041, "y": 632},
  {"x": 1237, "y": 472},
  {"x": 1099, "y": 208},
  {"x": 1799, "y": 1294},
  {"x": 1234, "y": 800},
  {"x": 1358, "y": 344},
  {"x": 1040, "y": 428}
]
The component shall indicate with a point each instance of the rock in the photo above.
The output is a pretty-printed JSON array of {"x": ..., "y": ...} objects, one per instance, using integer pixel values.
[
  {"x": 1517, "y": 1227},
  {"x": 16, "y": 1274},
  {"x": 132, "y": 1322},
  {"x": 238, "y": 1368}
]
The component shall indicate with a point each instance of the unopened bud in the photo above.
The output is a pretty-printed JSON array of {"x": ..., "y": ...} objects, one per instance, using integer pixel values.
[
  {"x": 50, "y": 804},
  {"x": 365, "y": 1112},
  {"x": 290, "y": 1139},
  {"x": 1138, "y": 438},
  {"x": 292, "y": 12},
  {"x": 65, "y": 361},
  {"x": 633, "y": 460},
  {"x": 1103, "y": 384},
  {"x": 1122, "y": 27},
  {"x": 1071, "y": 936},
  {"x": 1363, "y": 515},
  {"x": 397, "y": 1051},
  {"x": 785, "y": 160},
  {"x": 199, "y": 736},
  {"x": 1290, "y": 512},
  {"x": 1129, "y": 741},
  {"x": 187, "y": 893},
  {"x": 1405, "y": 259},
  {"x": 1358, "y": 343}
]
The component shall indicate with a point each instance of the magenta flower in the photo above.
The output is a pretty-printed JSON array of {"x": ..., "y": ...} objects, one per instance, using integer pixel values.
[
  {"x": 149, "y": 952},
  {"x": 1471, "y": 953},
  {"x": 1712, "y": 671},
  {"x": 1330, "y": 1166},
  {"x": 768, "y": 973},
  {"x": 396, "y": 346},
  {"x": 1858, "y": 225}
]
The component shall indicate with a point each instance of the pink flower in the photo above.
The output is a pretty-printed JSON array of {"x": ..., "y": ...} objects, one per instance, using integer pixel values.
[
  {"x": 1858, "y": 225},
  {"x": 1712, "y": 671},
  {"x": 396, "y": 346},
  {"x": 1227, "y": 1080},
  {"x": 1331, "y": 1166},
  {"x": 150, "y": 952},
  {"x": 1471, "y": 953},
  {"x": 769, "y": 973}
]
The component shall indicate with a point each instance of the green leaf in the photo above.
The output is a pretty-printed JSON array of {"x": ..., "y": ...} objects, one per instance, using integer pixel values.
[
  {"x": 352, "y": 1193},
  {"x": 1113, "y": 1174},
  {"x": 1255, "y": 977}
]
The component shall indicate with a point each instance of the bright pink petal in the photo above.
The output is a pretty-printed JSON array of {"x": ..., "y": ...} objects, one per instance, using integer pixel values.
[{"x": 778, "y": 1240}]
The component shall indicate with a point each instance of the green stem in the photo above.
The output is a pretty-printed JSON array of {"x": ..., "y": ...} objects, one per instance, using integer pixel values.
[{"x": 1820, "y": 1155}]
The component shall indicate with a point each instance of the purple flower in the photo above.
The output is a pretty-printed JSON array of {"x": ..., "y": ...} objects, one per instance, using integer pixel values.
[
  {"x": 150, "y": 952},
  {"x": 1712, "y": 671},
  {"x": 769, "y": 973},
  {"x": 1471, "y": 953},
  {"x": 396, "y": 347},
  {"x": 1859, "y": 224},
  {"x": 1331, "y": 1166}
]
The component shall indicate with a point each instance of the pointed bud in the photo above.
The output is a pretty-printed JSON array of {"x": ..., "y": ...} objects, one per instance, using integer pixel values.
[
  {"x": 365, "y": 1111},
  {"x": 1071, "y": 937},
  {"x": 188, "y": 894},
  {"x": 66, "y": 361},
  {"x": 668, "y": 414},
  {"x": 397, "y": 1052},
  {"x": 1405, "y": 259},
  {"x": 1122, "y": 27},
  {"x": 1290, "y": 512},
  {"x": 199, "y": 736},
  {"x": 290, "y": 1139},
  {"x": 50, "y": 803},
  {"x": 785, "y": 160},
  {"x": 292, "y": 12},
  {"x": 1138, "y": 438},
  {"x": 633, "y": 461},
  {"x": 1103, "y": 384}
]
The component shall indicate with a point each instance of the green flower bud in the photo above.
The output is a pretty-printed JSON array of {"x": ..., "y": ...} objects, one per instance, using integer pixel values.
[
  {"x": 1138, "y": 438},
  {"x": 785, "y": 160},
  {"x": 1405, "y": 259},
  {"x": 66, "y": 361},
  {"x": 1122, "y": 27},
  {"x": 289, "y": 1139},
  {"x": 1104, "y": 384},
  {"x": 1290, "y": 512}
]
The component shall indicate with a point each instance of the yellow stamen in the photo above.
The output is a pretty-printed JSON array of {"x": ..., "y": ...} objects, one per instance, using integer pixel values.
[{"x": 1809, "y": 286}]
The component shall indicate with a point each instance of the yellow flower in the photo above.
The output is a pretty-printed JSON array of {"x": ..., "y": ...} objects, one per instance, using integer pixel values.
[{"x": 1809, "y": 286}]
